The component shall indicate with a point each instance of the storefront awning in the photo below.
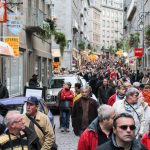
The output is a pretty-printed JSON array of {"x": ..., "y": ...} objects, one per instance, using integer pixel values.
[
  {"x": 5, "y": 49},
  {"x": 56, "y": 53}
]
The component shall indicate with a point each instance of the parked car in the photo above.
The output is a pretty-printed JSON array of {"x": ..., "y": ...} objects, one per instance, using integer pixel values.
[
  {"x": 55, "y": 85},
  {"x": 18, "y": 103}
]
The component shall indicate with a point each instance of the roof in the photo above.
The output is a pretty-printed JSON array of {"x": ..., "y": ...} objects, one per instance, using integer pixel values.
[{"x": 13, "y": 100}]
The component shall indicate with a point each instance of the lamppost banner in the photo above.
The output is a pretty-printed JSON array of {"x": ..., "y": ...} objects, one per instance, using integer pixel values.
[
  {"x": 3, "y": 14},
  {"x": 138, "y": 52}
]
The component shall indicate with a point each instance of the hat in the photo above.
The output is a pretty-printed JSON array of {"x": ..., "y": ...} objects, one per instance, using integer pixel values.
[{"x": 32, "y": 100}]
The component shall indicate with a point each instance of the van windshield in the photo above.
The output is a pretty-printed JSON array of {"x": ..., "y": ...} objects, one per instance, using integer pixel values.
[{"x": 56, "y": 83}]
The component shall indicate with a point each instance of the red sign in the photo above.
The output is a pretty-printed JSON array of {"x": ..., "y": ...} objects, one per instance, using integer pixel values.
[
  {"x": 138, "y": 52},
  {"x": 3, "y": 10}
]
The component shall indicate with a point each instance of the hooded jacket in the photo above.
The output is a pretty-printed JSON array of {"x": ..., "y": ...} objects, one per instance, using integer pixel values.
[{"x": 112, "y": 145}]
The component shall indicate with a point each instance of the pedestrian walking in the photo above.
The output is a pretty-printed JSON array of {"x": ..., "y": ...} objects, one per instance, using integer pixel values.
[
  {"x": 119, "y": 95},
  {"x": 84, "y": 111},
  {"x": 39, "y": 123},
  {"x": 17, "y": 135},
  {"x": 133, "y": 106},
  {"x": 104, "y": 92},
  {"x": 123, "y": 137},
  {"x": 66, "y": 103},
  {"x": 33, "y": 82},
  {"x": 99, "y": 131}
]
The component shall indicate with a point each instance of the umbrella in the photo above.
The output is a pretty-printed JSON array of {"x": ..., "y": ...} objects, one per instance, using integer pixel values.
[{"x": 5, "y": 49}]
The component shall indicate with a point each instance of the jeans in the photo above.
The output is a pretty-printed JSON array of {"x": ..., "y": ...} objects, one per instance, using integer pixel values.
[{"x": 65, "y": 119}]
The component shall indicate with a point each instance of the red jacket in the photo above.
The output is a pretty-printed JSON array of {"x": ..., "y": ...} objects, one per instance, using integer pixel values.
[
  {"x": 146, "y": 140},
  {"x": 67, "y": 95},
  {"x": 112, "y": 100},
  {"x": 88, "y": 140}
]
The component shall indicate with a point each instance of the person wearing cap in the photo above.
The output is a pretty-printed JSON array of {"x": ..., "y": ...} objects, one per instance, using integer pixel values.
[
  {"x": 47, "y": 138},
  {"x": 34, "y": 81}
]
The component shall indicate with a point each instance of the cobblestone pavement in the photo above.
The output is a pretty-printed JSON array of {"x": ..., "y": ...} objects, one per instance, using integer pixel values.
[{"x": 65, "y": 141}]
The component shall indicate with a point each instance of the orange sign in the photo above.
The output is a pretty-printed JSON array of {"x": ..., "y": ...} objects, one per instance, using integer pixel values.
[
  {"x": 14, "y": 43},
  {"x": 3, "y": 13}
]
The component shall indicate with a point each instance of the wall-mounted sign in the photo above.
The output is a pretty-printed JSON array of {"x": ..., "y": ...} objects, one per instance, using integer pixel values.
[
  {"x": 14, "y": 43},
  {"x": 138, "y": 52},
  {"x": 15, "y": 23},
  {"x": 3, "y": 14}
]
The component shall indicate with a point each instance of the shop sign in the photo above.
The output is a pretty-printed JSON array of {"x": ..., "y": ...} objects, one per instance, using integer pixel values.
[
  {"x": 14, "y": 43},
  {"x": 15, "y": 23},
  {"x": 138, "y": 52},
  {"x": 3, "y": 13}
]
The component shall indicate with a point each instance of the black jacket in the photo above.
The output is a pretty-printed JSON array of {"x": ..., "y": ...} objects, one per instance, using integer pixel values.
[
  {"x": 111, "y": 145},
  {"x": 103, "y": 94},
  {"x": 3, "y": 92}
]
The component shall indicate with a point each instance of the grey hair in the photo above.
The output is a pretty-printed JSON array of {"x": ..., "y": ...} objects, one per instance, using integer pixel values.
[
  {"x": 131, "y": 91},
  {"x": 104, "y": 112},
  {"x": 11, "y": 117},
  {"x": 136, "y": 84},
  {"x": 86, "y": 87}
]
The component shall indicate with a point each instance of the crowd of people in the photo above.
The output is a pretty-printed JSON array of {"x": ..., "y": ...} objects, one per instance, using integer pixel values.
[
  {"x": 111, "y": 112},
  {"x": 117, "y": 117}
]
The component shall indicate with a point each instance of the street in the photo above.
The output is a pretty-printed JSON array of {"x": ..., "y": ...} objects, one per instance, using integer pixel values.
[{"x": 65, "y": 141}]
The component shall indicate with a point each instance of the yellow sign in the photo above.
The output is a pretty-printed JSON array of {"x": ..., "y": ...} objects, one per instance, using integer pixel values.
[{"x": 14, "y": 43}]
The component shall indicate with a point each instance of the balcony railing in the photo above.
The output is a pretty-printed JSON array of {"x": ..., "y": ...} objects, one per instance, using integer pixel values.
[
  {"x": 34, "y": 19},
  {"x": 131, "y": 10}
]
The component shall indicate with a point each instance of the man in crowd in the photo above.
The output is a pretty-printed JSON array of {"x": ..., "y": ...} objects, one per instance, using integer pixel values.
[
  {"x": 123, "y": 137},
  {"x": 77, "y": 91},
  {"x": 46, "y": 134},
  {"x": 34, "y": 81},
  {"x": 99, "y": 130},
  {"x": 104, "y": 92},
  {"x": 83, "y": 112},
  {"x": 133, "y": 106},
  {"x": 3, "y": 91},
  {"x": 119, "y": 95},
  {"x": 17, "y": 136}
]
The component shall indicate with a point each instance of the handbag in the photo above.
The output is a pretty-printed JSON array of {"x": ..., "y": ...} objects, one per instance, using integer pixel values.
[
  {"x": 54, "y": 146},
  {"x": 65, "y": 105}
]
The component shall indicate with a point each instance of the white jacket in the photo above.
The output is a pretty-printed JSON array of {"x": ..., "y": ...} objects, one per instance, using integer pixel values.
[{"x": 123, "y": 107}]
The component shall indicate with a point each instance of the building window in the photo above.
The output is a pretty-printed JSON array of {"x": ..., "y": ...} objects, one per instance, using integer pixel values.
[
  {"x": 103, "y": 23},
  {"x": 14, "y": 75}
]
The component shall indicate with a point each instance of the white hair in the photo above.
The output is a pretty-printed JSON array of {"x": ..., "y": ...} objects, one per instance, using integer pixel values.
[
  {"x": 104, "y": 111},
  {"x": 10, "y": 117}
]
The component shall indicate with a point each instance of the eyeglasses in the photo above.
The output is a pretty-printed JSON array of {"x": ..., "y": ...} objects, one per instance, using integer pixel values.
[{"x": 125, "y": 127}]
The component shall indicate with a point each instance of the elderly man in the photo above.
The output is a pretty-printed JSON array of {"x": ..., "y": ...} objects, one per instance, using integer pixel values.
[
  {"x": 99, "y": 130},
  {"x": 123, "y": 137},
  {"x": 132, "y": 106},
  {"x": 18, "y": 136},
  {"x": 39, "y": 122},
  {"x": 84, "y": 111}
]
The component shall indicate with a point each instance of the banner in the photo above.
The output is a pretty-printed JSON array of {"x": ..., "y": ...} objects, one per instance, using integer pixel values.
[
  {"x": 138, "y": 52},
  {"x": 3, "y": 12},
  {"x": 15, "y": 22},
  {"x": 14, "y": 43}
]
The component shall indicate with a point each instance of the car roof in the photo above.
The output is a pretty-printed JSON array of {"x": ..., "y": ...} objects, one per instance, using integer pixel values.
[
  {"x": 13, "y": 100},
  {"x": 64, "y": 76}
]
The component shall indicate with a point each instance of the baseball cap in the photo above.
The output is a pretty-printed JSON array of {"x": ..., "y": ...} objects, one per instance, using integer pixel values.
[{"x": 32, "y": 100}]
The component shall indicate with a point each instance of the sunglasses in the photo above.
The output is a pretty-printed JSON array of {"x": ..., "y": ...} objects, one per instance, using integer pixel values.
[{"x": 125, "y": 127}]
